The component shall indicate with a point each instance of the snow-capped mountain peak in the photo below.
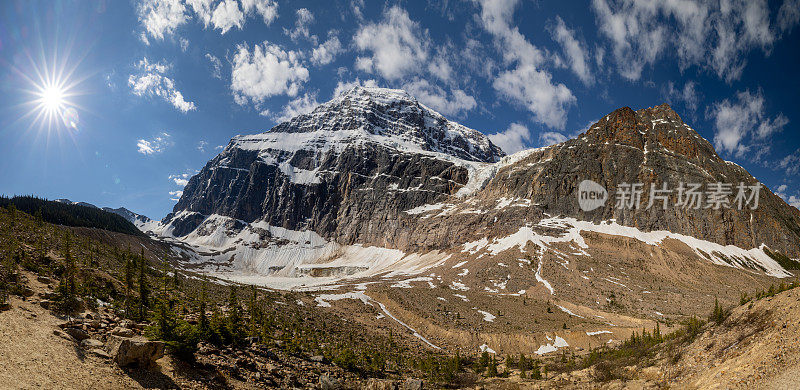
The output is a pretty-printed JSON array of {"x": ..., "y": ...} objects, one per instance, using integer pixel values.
[{"x": 388, "y": 117}]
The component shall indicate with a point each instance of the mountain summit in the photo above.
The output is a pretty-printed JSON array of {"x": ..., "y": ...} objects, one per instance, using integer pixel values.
[
  {"x": 368, "y": 152},
  {"x": 389, "y": 117}
]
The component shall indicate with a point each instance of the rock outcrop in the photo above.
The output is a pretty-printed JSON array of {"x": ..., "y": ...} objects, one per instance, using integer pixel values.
[{"x": 126, "y": 351}]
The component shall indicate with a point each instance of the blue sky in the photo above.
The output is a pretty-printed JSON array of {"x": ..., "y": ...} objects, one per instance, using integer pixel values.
[{"x": 143, "y": 93}]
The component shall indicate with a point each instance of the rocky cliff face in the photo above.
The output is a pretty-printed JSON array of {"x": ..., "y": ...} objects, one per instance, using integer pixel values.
[
  {"x": 346, "y": 170},
  {"x": 647, "y": 146}
]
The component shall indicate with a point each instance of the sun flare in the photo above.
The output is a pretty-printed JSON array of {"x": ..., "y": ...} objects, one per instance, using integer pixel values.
[
  {"x": 52, "y": 106},
  {"x": 52, "y": 98}
]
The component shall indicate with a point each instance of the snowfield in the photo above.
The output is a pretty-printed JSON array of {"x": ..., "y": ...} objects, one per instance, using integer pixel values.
[{"x": 726, "y": 255}]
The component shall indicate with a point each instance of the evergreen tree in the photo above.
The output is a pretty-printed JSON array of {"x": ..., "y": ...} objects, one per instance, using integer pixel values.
[
  {"x": 255, "y": 311},
  {"x": 144, "y": 289},
  {"x": 67, "y": 291},
  {"x": 719, "y": 314},
  {"x": 204, "y": 328},
  {"x": 130, "y": 272},
  {"x": 536, "y": 371},
  {"x": 491, "y": 369},
  {"x": 234, "y": 320}
]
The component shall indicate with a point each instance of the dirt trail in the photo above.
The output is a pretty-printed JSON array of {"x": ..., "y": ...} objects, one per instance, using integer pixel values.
[{"x": 33, "y": 357}]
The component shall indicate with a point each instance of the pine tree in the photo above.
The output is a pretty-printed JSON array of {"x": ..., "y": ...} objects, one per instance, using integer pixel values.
[
  {"x": 719, "y": 314},
  {"x": 130, "y": 272},
  {"x": 536, "y": 371},
  {"x": 254, "y": 310},
  {"x": 144, "y": 289},
  {"x": 491, "y": 369},
  {"x": 204, "y": 329},
  {"x": 234, "y": 320},
  {"x": 67, "y": 288}
]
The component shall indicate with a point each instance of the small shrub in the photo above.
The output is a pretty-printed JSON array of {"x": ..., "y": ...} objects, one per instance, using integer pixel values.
[{"x": 719, "y": 314}]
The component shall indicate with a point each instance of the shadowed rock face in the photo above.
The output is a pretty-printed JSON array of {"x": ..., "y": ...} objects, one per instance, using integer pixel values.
[{"x": 345, "y": 170}]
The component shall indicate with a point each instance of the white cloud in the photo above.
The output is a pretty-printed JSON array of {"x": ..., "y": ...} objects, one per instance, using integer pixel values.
[
  {"x": 534, "y": 89},
  {"x": 781, "y": 191},
  {"x": 474, "y": 55},
  {"x": 160, "y": 17},
  {"x": 551, "y": 138},
  {"x": 184, "y": 44},
  {"x": 181, "y": 179},
  {"x": 440, "y": 68},
  {"x": 298, "y": 106},
  {"x": 397, "y": 45},
  {"x": 304, "y": 19},
  {"x": 735, "y": 122},
  {"x": 524, "y": 84},
  {"x": 216, "y": 66},
  {"x": 326, "y": 52},
  {"x": 151, "y": 81},
  {"x": 201, "y": 146},
  {"x": 513, "y": 139},
  {"x": 155, "y": 145},
  {"x": 575, "y": 51},
  {"x": 688, "y": 95},
  {"x": 268, "y": 9},
  {"x": 792, "y": 200},
  {"x": 771, "y": 126},
  {"x": 265, "y": 71},
  {"x": 708, "y": 34},
  {"x": 789, "y": 15},
  {"x": 791, "y": 163},
  {"x": 227, "y": 14},
  {"x": 175, "y": 195},
  {"x": 437, "y": 98},
  {"x": 342, "y": 86}
]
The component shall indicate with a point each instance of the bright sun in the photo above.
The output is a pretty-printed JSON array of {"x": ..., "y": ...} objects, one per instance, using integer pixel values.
[
  {"x": 52, "y": 104},
  {"x": 52, "y": 98}
]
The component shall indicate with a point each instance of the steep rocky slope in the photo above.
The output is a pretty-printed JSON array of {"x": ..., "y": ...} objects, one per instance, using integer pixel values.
[
  {"x": 345, "y": 171},
  {"x": 757, "y": 346},
  {"x": 647, "y": 146}
]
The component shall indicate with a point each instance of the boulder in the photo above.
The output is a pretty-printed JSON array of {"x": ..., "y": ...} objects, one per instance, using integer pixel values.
[
  {"x": 60, "y": 333},
  {"x": 46, "y": 303},
  {"x": 327, "y": 382},
  {"x": 26, "y": 292},
  {"x": 378, "y": 384},
  {"x": 78, "y": 334},
  {"x": 91, "y": 343},
  {"x": 5, "y": 306},
  {"x": 412, "y": 384},
  {"x": 44, "y": 280},
  {"x": 126, "y": 351},
  {"x": 317, "y": 358},
  {"x": 122, "y": 332},
  {"x": 100, "y": 353},
  {"x": 48, "y": 295}
]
